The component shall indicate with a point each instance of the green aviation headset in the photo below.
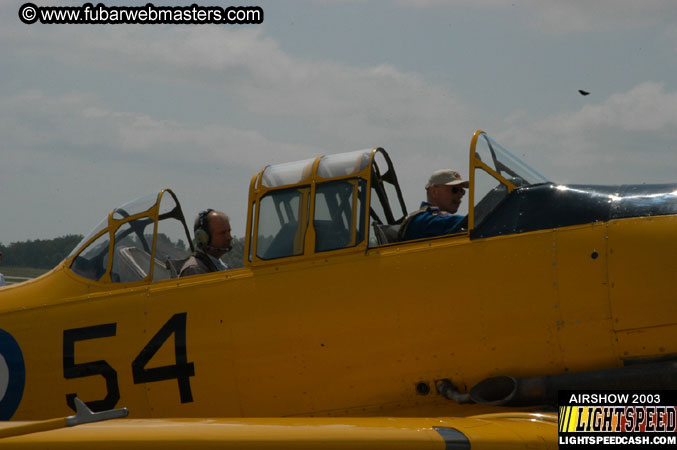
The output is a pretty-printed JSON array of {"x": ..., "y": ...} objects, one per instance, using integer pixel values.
[{"x": 202, "y": 234}]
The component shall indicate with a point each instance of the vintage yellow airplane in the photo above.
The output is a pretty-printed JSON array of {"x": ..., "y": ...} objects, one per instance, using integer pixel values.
[{"x": 544, "y": 287}]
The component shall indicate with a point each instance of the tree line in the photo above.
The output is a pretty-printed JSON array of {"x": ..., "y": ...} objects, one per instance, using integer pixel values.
[
  {"x": 47, "y": 253},
  {"x": 40, "y": 253}
]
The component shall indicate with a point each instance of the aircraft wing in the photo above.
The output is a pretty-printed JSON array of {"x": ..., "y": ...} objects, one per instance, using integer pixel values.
[{"x": 495, "y": 431}]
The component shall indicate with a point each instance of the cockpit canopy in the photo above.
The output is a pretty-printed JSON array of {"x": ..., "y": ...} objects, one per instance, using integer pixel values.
[
  {"x": 321, "y": 204},
  {"x": 494, "y": 173},
  {"x": 327, "y": 203},
  {"x": 347, "y": 203},
  {"x": 140, "y": 241},
  {"x": 339, "y": 203}
]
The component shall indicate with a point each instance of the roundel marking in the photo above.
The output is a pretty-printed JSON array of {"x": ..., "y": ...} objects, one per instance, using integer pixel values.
[
  {"x": 12, "y": 375},
  {"x": 4, "y": 376}
]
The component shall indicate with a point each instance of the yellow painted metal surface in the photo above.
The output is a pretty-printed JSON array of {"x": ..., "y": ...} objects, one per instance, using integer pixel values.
[
  {"x": 584, "y": 322},
  {"x": 29, "y": 428},
  {"x": 355, "y": 331},
  {"x": 336, "y": 335},
  {"x": 500, "y": 432},
  {"x": 639, "y": 271}
]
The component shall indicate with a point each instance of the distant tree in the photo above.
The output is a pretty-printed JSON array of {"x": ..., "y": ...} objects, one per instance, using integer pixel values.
[
  {"x": 235, "y": 257},
  {"x": 47, "y": 253},
  {"x": 40, "y": 253}
]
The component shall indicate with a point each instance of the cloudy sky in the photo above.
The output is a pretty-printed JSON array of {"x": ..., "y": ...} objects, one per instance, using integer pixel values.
[{"x": 92, "y": 116}]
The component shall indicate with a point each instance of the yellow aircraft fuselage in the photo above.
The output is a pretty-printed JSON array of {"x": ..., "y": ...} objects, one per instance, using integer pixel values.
[{"x": 362, "y": 330}]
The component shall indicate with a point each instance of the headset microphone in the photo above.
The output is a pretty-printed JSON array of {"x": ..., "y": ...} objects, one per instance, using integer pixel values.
[
  {"x": 219, "y": 249},
  {"x": 203, "y": 235}
]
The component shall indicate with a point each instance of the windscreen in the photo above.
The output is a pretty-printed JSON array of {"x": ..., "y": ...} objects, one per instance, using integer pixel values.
[{"x": 506, "y": 164}]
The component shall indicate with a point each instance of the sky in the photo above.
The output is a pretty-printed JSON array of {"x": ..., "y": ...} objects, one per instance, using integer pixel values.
[{"x": 92, "y": 116}]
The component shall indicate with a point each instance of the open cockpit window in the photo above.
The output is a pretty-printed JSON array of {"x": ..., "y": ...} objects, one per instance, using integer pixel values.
[
  {"x": 148, "y": 234},
  {"x": 387, "y": 204},
  {"x": 386, "y": 208}
]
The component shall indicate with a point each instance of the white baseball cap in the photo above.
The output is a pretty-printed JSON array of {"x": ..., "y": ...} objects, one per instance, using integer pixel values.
[{"x": 446, "y": 177}]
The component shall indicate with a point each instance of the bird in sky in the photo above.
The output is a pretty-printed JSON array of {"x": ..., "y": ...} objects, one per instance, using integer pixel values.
[{"x": 583, "y": 93}]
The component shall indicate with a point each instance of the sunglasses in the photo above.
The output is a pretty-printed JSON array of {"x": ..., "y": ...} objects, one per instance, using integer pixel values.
[{"x": 456, "y": 190}]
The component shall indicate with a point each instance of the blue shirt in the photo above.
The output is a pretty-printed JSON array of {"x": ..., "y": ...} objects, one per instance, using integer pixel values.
[
  {"x": 220, "y": 265},
  {"x": 431, "y": 222}
]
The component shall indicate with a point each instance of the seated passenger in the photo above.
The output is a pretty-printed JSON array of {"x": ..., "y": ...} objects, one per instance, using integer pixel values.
[
  {"x": 436, "y": 217},
  {"x": 212, "y": 237}
]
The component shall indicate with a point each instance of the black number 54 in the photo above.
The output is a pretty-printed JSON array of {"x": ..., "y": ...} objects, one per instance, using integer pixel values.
[
  {"x": 89, "y": 369},
  {"x": 181, "y": 371}
]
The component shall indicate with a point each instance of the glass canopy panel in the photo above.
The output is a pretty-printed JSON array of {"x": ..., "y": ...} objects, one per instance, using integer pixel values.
[
  {"x": 167, "y": 204},
  {"x": 506, "y": 164},
  {"x": 489, "y": 192},
  {"x": 92, "y": 262},
  {"x": 97, "y": 229},
  {"x": 173, "y": 238},
  {"x": 172, "y": 246},
  {"x": 338, "y": 222},
  {"x": 343, "y": 164},
  {"x": 131, "y": 255},
  {"x": 137, "y": 206},
  {"x": 287, "y": 173},
  {"x": 279, "y": 223}
]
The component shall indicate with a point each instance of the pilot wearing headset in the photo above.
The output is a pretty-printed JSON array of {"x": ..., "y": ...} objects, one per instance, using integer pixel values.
[{"x": 212, "y": 237}]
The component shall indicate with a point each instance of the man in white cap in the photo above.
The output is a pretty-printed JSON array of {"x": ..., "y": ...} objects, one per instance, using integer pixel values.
[{"x": 445, "y": 190}]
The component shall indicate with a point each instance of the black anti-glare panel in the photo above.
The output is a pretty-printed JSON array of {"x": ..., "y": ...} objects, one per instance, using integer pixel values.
[{"x": 551, "y": 206}]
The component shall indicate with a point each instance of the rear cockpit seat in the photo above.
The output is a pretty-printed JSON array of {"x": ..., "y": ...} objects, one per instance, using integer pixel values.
[
  {"x": 386, "y": 234},
  {"x": 174, "y": 266},
  {"x": 133, "y": 263}
]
